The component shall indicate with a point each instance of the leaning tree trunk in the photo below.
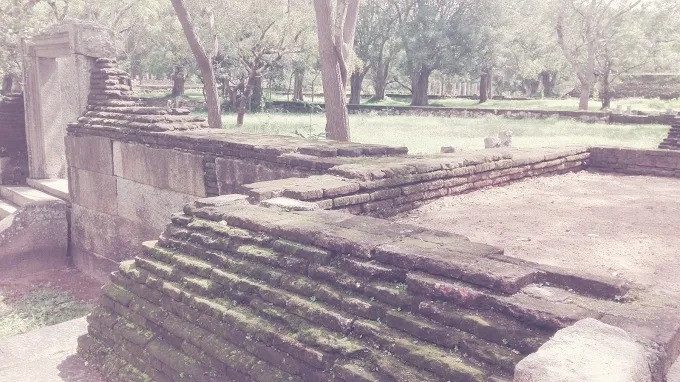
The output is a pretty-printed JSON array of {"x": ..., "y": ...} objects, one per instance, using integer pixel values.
[
  {"x": 333, "y": 45},
  {"x": 419, "y": 86},
  {"x": 7, "y": 84},
  {"x": 245, "y": 97},
  {"x": 298, "y": 85},
  {"x": 355, "y": 82},
  {"x": 204, "y": 62},
  {"x": 179, "y": 78}
]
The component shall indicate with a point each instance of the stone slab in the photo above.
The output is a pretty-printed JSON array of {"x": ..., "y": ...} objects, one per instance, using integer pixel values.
[
  {"x": 93, "y": 190},
  {"x": 148, "y": 205},
  {"x": 109, "y": 236},
  {"x": 55, "y": 187},
  {"x": 590, "y": 351},
  {"x": 47, "y": 355},
  {"x": 162, "y": 168},
  {"x": 90, "y": 153}
]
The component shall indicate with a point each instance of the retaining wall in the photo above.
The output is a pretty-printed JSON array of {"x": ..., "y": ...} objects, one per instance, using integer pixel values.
[
  {"x": 586, "y": 116},
  {"x": 236, "y": 292},
  {"x": 636, "y": 161},
  {"x": 13, "y": 151}
]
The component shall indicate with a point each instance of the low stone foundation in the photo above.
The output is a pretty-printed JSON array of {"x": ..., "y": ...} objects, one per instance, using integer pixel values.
[
  {"x": 636, "y": 161},
  {"x": 236, "y": 292},
  {"x": 385, "y": 187}
]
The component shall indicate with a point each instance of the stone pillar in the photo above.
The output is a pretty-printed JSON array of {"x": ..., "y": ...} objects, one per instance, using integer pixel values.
[{"x": 56, "y": 86}]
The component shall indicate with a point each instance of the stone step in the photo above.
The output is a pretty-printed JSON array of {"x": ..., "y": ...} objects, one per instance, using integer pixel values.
[
  {"x": 6, "y": 208},
  {"x": 55, "y": 187},
  {"x": 23, "y": 196}
]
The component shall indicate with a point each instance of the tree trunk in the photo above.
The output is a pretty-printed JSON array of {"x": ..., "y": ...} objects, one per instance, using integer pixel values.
[
  {"x": 606, "y": 96},
  {"x": 483, "y": 87},
  {"x": 298, "y": 85},
  {"x": 7, "y": 84},
  {"x": 179, "y": 78},
  {"x": 585, "y": 96},
  {"x": 419, "y": 86},
  {"x": 355, "y": 88},
  {"x": 245, "y": 97},
  {"x": 204, "y": 62},
  {"x": 380, "y": 80},
  {"x": 332, "y": 48},
  {"x": 549, "y": 80},
  {"x": 256, "y": 102}
]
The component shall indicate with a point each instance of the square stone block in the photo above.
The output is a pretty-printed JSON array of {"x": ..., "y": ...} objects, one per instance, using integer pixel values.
[
  {"x": 111, "y": 237},
  {"x": 149, "y": 205},
  {"x": 162, "y": 168},
  {"x": 90, "y": 153},
  {"x": 93, "y": 190}
]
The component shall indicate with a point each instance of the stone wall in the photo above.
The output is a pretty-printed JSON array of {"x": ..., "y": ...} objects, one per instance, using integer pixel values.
[
  {"x": 130, "y": 166},
  {"x": 636, "y": 161},
  {"x": 672, "y": 142},
  {"x": 585, "y": 116},
  {"x": 389, "y": 186},
  {"x": 236, "y": 292},
  {"x": 13, "y": 152}
]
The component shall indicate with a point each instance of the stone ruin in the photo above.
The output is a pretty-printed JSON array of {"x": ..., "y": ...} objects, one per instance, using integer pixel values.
[
  {"x": 278, "y": 266},
  {"x": 672, "y": 142}
]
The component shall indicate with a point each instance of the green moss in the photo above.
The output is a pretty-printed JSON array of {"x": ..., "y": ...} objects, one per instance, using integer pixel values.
[
  {"x": 200, "y": 284},
  {"x": 117, "y": 294},
  {"x": 329, "y": 342},
  {"x": 307, "y": 252},
  {"x": 229, "y": 231},
  {"x": 253, "y": 252},
  {"x": 194, "y": 265},
  {"x": 478, "y": 320}
]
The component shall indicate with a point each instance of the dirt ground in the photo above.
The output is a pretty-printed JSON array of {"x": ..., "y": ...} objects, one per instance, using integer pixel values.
[
  {"x": 68, "y": 280},
  {"x": 621, "y": 226}
]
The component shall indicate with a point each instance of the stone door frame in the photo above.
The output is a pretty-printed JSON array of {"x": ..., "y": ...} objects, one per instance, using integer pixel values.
[{"x": 84, "y": 42}]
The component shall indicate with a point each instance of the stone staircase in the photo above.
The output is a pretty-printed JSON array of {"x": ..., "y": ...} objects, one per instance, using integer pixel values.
[
  {"x": 672, "y": 142},
  {"x": 34, "y": 225}
]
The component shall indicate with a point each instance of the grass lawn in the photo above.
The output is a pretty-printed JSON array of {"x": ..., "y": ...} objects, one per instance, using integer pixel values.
[
  {"x": 428, "y": 134},
  {"x": 651, "y": 106},
  {"x": 41, "y": 306}
]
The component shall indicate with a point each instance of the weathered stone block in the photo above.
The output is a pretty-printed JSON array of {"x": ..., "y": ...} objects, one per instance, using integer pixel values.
[
  {"x": 589, "y": 350},
  {"x": 148, "y": 205},
  {"x": 162, "y": 168},
  {"x": 90, "y": 153},
  {"x": 108, "y": 236},
  {"x": 93, "y": 190}
]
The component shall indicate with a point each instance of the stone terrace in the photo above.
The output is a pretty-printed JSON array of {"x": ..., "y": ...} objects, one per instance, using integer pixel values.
[{"x": 233, "y": 291}]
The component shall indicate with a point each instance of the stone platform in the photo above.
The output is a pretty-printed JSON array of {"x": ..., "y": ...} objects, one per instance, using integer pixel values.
[{"x": 233, "y": 291}]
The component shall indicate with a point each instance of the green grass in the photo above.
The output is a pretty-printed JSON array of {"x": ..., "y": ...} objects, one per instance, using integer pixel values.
[
  {"x": 653, "y": 105},
  {"x": 41, "y": 306},
  {"x": 428, "y": 134}
]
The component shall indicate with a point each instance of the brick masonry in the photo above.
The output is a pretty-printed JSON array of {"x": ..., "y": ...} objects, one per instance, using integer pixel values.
[
  {"x": 672, "y": 142},
  {"x": 236, "y": 292},
  {"x": 636, "y": 161},
  {"x": 13, "y": 151}
]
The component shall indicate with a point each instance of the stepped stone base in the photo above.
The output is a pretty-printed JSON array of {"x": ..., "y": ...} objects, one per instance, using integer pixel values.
[
  {"x": 236, "y": 292},
  {"x": 672, "y": 142}
]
